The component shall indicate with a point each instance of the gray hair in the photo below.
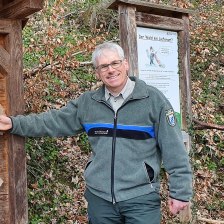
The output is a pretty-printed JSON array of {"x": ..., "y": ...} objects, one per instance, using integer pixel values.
[{"x": 106, "y": 46}]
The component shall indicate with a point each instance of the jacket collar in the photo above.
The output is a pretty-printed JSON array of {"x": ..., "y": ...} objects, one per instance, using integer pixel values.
[{"x": 139, "y": 92}]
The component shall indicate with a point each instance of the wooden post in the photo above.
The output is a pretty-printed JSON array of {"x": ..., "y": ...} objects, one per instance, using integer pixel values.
[
  {"x": 185, "y": 69},
  {"x": 13, "y": 197},
  {"x": 13, "y": 184},
  {"x": 127, "y": 29}
]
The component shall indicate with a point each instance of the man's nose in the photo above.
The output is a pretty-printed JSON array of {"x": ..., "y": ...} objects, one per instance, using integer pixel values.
[{"x": 110, "y": 68}]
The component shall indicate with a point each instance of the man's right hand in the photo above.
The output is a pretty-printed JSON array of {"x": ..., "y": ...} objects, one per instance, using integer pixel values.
[{"x": 5, "y": 123}]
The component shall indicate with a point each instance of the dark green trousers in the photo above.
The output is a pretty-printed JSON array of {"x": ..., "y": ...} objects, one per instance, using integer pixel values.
[{"x": 140, "y": 210}]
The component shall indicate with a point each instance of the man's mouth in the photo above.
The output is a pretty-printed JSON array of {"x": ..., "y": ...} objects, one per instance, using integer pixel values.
[{"x": 113, "y": 76}]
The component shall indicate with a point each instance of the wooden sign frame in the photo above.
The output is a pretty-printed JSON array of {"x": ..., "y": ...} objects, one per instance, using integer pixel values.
[
  {"x": 133, "y": 13},
  {"x": 13, "y": 179}
]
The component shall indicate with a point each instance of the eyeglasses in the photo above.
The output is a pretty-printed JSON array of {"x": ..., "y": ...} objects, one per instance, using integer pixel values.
[{"x": 113, "y": 64}]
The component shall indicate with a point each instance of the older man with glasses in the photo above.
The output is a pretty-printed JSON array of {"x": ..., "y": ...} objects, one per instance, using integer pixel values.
[{"x": 129, "y": 129}]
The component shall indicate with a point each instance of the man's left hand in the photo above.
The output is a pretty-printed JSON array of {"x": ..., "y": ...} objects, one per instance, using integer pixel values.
[{"x": 176, "y": 206}]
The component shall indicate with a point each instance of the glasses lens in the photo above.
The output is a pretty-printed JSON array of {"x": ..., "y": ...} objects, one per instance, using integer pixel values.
[
  {"x": 103, "y": 68},
  {"x": 116, "y": 64}
]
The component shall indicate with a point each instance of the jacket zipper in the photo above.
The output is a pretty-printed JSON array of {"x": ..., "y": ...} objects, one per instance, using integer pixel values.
[
  {"x": 113, "y": 159},
  {"x": 113, "y": 150}
]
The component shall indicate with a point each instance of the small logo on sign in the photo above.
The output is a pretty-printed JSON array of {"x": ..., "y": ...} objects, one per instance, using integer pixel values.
[{"x": 170, "y": 117}]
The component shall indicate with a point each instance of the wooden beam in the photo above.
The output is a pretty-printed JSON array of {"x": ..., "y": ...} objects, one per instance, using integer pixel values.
[
  {"x": 13, "y": 190},
  {"x": 4, "y": 61},
  {"x": 150, "y": 8},
  {"x": 4, "y": 2},
  {"x": 20, "y": 9},
  {"x": 16, "y": 105},
  {"x": 5, "y": 26},
  {"x": 4, "y": 190},
  {"x": 185, "y": 79},
  {"x": 128, "y": 36},
  {"x": 160, "y": 22}
]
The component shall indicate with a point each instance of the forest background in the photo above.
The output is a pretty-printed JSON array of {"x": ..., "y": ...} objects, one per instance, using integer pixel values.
[{"x": 58, "y": 42}]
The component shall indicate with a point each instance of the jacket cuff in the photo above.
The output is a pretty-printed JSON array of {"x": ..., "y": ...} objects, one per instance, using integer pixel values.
[
  {"x": 178, "y": 199},
  {"x": 12, "y": 124}
]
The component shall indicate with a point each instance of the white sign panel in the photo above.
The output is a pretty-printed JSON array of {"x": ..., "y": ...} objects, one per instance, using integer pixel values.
[{"x": 158, "y": 62}]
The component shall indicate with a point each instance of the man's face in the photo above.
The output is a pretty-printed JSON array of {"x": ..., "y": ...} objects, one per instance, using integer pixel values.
[{"x": 113, "y": 76}]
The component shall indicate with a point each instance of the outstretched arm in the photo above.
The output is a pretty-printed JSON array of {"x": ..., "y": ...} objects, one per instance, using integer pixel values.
[{"x": 5, "y": 123}]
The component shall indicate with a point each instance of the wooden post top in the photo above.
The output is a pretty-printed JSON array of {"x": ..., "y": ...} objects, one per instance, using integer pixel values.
[
  {"x": 19, "y": 9},
  {"x": 151, "y": 8}
]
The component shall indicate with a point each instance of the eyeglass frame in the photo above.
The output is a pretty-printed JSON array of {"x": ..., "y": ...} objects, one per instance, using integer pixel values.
[{"x": 106, "y": 66}]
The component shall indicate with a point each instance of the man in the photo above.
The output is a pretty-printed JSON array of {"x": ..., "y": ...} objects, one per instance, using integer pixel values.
[{"x": 132, "y": 129}]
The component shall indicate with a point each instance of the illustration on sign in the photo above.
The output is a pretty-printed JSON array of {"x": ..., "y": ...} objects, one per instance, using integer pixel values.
[{"x": 158, "y": 63}]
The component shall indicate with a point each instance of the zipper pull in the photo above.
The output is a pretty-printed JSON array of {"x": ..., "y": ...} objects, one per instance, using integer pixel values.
[
  {"x": 113, "y": 201},
  {"x": 115, "y": 115}
]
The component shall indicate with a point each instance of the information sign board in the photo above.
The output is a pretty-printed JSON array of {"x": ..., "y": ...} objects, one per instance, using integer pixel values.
[{"x": 158, "y": 63}]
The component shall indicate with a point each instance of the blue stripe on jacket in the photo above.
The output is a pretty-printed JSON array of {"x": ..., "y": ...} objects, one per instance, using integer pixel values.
[{"x": 147, "y": 129}]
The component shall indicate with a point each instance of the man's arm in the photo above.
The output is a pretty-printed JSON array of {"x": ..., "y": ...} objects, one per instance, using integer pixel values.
[
  {"x": 175, "y": 159},
  {"x": 53, "y": 123}
]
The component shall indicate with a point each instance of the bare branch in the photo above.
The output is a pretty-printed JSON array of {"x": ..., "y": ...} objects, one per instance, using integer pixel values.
[
  {"x": 210, "y": 220},
  {"x": 202, "y": 125},
  {"x": 47, "y": 67}
]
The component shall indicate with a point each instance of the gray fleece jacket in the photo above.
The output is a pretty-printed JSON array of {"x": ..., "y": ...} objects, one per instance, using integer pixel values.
[{"x": 128, "y": 147}]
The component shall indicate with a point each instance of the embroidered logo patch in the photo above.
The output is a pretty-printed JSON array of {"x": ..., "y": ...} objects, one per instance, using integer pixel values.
[
  {"x": 101, "y": 132},
  {"x": 170, "y": 117}
]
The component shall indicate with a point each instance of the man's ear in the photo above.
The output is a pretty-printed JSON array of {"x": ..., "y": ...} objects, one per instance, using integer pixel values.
[
  {"x": 126, "y": 64},
  {"x": 97, "y": 75}
]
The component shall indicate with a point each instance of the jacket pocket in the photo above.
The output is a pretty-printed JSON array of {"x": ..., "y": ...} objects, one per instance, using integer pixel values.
[
  {"x": 88, "y": 163},
  {"x": 150, "y": 172}
]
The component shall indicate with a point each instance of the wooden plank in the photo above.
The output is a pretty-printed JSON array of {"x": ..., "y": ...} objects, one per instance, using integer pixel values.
[
  {"x": 150, "y": 8},
  {"x": 185, "y": 81},
  {"x": 4, "y": 214},
  {"x": 128, "y": 36},
  {"x": 13, "y": 192},
  {"x": 157, "y": 21},
  {"x": 4, "y": 61},
  {"x": 20, "y": 9},
  {"x": 4, "y": 191},
  {"x": 185, "y": 87},
  {"x": 187, "y": 70},
  {"x": 5, "y": 26},
  {"x": 2, "y": 111},
  {"x": 16, "y": 153},
  {"x": 4, "y": 178},
  {"x": 3, "y": 2}
]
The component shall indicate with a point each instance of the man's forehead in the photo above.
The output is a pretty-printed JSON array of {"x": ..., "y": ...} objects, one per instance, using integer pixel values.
[
  {"x": 108, "y": 54},
  {"x": 106, "y": 51}
]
